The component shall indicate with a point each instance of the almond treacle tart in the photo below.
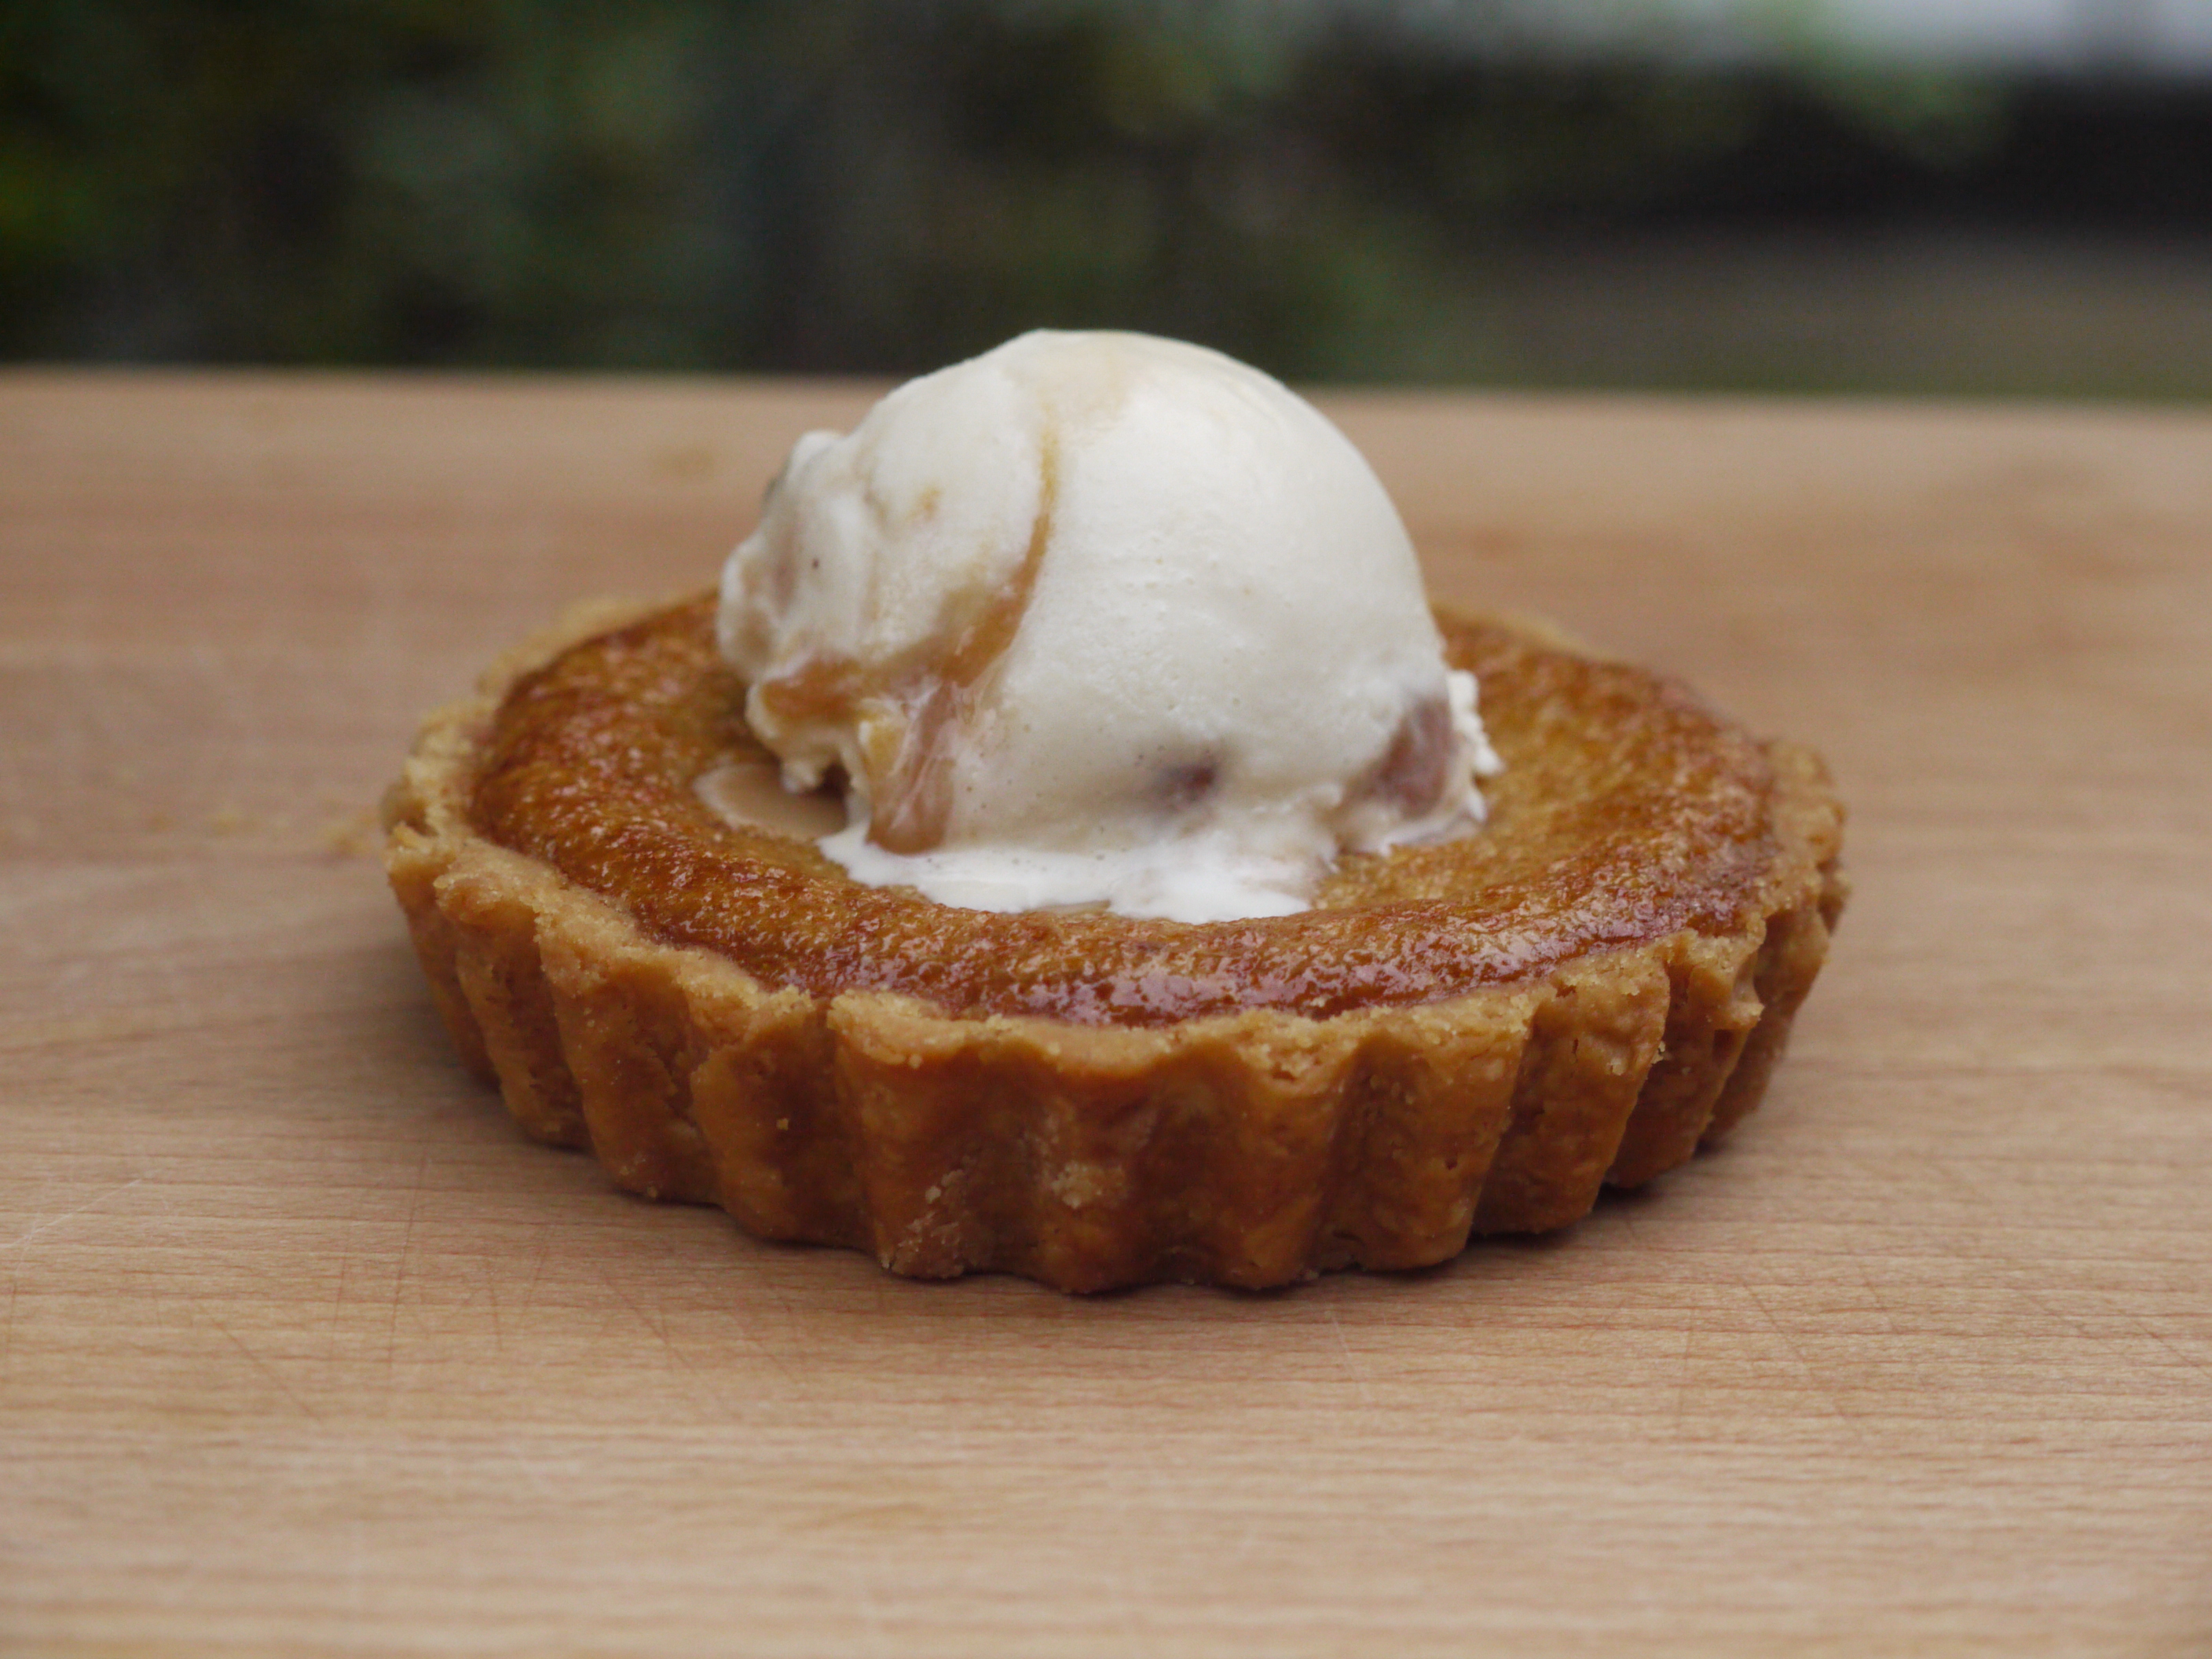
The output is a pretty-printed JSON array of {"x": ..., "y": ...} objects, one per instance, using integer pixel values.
[{"x": 1472, "y": 1035}]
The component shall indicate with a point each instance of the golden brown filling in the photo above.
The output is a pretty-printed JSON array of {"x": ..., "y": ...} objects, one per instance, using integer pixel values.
[{"x": 1626, "y": 811}]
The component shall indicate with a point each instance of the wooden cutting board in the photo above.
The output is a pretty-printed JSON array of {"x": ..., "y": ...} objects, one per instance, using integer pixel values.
[{"x": 303, "y": 1350}]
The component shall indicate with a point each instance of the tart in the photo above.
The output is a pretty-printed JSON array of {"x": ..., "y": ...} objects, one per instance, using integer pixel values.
[{"x": 1465, "y": 1037}]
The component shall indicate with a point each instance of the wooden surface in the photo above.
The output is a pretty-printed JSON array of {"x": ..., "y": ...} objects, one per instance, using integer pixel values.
[{"x": 303, "y": 1350}]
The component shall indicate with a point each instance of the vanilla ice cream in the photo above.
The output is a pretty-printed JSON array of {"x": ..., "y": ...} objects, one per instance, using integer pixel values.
[{"x": 1100, "y": 618}]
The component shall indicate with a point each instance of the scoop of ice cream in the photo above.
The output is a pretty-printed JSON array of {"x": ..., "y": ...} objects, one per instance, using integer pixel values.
[{"x": 1100, "y": 618}]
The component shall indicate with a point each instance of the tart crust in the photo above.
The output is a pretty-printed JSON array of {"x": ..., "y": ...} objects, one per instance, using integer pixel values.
[{"x": 1070, "y": 1098}]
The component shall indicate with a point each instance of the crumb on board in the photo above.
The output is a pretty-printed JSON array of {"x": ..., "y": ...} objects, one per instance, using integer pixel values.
[{"x": 355, "y": 835}]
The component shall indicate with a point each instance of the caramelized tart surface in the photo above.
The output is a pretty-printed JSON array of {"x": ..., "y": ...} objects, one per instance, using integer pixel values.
[{"x": 1627, "y": 811}]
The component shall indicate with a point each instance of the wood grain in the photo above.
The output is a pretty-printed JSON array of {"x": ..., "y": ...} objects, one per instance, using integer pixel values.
[{"x": 303, "y": 1350}]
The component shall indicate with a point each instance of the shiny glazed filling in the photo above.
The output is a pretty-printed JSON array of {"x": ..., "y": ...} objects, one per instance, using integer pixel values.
[{"x": 1627, "y": 811}]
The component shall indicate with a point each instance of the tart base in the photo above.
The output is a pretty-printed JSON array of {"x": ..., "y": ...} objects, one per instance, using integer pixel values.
[{"x": 1250, "y": 1149}]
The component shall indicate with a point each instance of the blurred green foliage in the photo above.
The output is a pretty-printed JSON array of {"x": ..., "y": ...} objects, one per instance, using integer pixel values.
[{"x": 886, "y": 185}]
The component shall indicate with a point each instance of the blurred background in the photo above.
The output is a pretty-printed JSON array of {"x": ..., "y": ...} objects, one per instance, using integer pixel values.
[{"x": 1979, "y": 197}]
